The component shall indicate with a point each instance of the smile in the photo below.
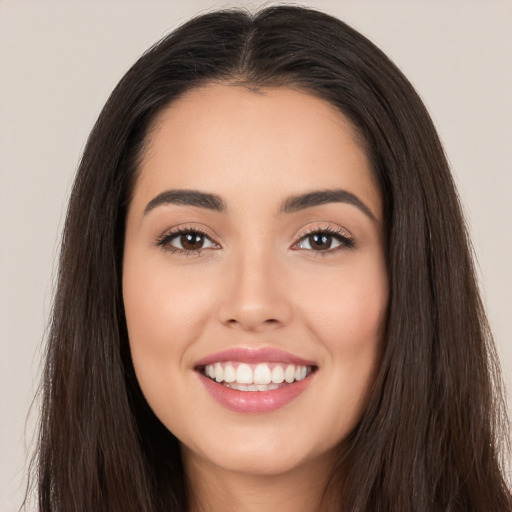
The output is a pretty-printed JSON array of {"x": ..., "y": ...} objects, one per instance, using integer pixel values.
[
  {"x": 259, "y": 377},
  {"x": 255, "y": 380}
]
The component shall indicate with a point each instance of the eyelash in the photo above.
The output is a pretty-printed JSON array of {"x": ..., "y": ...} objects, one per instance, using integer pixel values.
[
  {"x": 345, "y": 240},
  {"x": 166, "y": 238}
]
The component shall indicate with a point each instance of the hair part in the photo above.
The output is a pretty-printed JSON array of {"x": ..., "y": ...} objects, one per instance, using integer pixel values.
[{"x": 431, "y": 435}]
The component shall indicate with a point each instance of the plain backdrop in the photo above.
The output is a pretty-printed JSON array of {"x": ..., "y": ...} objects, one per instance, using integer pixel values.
[{"x": 60, "y": 60}]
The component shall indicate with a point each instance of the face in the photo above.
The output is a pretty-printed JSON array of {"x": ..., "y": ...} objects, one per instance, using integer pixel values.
[{"x": 254, "y": 278}]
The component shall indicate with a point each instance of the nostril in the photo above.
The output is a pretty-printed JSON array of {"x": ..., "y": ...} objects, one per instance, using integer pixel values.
[{"x": 270, "y": 323}]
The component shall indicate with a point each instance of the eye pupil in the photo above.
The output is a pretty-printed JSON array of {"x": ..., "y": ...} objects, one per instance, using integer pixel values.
[
  {"x": 320, "y": 241},
  {"x": 192, "y": 241}
]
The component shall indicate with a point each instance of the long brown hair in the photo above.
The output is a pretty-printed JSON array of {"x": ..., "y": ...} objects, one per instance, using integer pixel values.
[{"x": 431, "y": 435}]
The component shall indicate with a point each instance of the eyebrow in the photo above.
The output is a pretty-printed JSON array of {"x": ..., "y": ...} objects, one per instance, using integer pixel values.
[
  {"x": 290, "y": 205},
  {"x": 320, "y": 197},
  {"x": 187, "y": 198}
]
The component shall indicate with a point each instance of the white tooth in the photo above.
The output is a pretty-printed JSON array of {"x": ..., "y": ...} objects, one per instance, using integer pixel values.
[
  {"x": 252, "y": 387},
  {"x": 219, "y": 372},
  {"x": 210, "y": 371},
  {"x": 303, "y": 372},
  {"x": 241, "y": 387},
  {"x": 297, "y": 373},
  {"x": 289, "y": 374},
  {"x": 272, "y": 386},
  {"x": 229, "y": 374},
  {"x": 277, "y": 374},
  {"x": 263, "y": 387},
  {"x": 244, "y": 374},
  {"x": 262, "y": 374}
]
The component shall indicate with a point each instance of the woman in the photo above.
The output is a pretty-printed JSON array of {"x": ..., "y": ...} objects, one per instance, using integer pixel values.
[{"x": 265, "y": 293}]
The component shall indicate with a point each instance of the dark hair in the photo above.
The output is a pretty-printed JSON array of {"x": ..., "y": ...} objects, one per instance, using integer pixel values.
[{"x": 430, "y": 437}]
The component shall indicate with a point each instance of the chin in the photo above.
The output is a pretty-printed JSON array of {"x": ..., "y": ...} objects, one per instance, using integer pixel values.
[{"x": 260, "y": 453}]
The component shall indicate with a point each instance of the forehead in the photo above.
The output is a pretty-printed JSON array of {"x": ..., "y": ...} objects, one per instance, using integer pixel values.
[{"x": 228, "y": 139}]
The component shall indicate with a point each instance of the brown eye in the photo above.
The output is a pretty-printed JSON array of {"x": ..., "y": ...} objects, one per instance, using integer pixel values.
[
  {"x": 187, "y": 242},
  {"x": 191, "y": 241},
  {"x": 320, "y": 241},
  {"x": 324, "y": 241}
]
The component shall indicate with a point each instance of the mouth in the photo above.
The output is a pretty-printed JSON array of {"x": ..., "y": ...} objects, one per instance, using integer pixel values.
[
  {"x": 255, "y": 380},
  {"x": 267, "y": 376}
]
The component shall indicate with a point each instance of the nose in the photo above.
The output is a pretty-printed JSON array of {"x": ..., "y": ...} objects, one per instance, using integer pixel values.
[{"x": 255, "y": 296}]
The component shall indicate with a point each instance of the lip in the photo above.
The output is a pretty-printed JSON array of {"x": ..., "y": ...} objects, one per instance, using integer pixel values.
[
  {"x": 254, "y": 401},
  {"x": 254, "y": 356}
]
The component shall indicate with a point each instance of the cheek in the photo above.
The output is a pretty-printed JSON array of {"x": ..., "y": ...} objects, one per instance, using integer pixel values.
[
  {"x": 163, "y": 308},
  {"x": 346, "y": 314},
  {"x": 348, "y": 307},
  {"x": 165, "y": 312}
]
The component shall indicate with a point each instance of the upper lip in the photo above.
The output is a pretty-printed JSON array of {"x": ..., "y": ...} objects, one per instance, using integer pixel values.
[{"x": 254, "y": 356}]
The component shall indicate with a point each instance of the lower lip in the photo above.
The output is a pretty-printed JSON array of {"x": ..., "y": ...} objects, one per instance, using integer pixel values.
[{"x": 254, "y": 401}]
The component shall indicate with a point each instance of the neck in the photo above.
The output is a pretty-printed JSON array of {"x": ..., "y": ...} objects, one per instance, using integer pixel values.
[{"x": 214, "y": 489}]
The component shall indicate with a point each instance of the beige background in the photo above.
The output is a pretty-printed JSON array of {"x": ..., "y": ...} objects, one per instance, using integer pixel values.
[{"x": 60, "y": 60}]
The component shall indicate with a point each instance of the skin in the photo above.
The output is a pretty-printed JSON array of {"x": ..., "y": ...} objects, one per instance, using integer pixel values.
[{"x": 258, "y": 283}]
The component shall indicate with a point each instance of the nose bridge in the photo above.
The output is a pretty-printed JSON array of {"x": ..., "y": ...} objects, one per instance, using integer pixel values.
[{"x": 256, "y": 297}]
